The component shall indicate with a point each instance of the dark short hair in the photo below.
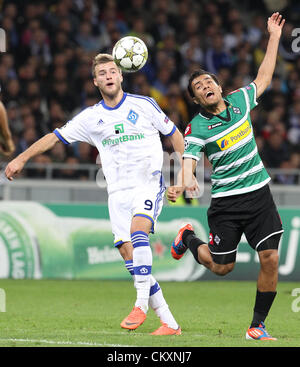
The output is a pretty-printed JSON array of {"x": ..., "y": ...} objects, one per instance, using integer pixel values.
[{"x": 197, "y": 73}]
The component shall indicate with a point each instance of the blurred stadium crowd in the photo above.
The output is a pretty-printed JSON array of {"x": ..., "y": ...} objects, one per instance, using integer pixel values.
[{"x": 45, "y": 74}]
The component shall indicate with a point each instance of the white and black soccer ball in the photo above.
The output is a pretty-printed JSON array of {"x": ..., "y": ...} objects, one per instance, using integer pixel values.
[{"x": 130, "y": 54}]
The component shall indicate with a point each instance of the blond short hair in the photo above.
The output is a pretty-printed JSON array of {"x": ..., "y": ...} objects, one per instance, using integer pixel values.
[{"x": 101, "y": 59}]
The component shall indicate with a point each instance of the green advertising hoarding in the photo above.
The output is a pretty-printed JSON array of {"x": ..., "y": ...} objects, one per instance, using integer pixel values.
[{"x": 74, "y": 241}]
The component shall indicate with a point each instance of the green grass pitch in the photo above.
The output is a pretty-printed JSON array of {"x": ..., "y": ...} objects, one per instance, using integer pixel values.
[{"x": 45, "y": 313}]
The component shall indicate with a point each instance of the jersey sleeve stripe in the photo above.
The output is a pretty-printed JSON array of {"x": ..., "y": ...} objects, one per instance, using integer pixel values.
[
  {"x": 189, "y": 155},
  {"x": 150, "y": 100},
  {"x": 172, "y": 132},
  {"x": 246, "y": 99},
  {"x": 255, "y": 93},
  {"x": 60, "y": 137},
  {"x": 154, "y": 102},
  {"x": 194, "y": 140}
]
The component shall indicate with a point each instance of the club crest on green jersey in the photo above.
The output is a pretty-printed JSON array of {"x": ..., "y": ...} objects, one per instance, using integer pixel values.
[{"x": 236, "y": 110}]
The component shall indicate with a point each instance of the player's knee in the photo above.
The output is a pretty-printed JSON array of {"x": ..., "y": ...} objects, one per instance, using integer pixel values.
[
  {"x": 140, "y": 224},
  {"x": 126, "y": 250},
  {"x": 269, "y": 259},
  {"x": 223, "y": 269}
]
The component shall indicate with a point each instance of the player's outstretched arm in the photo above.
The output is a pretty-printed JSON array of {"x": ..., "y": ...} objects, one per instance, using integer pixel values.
[
  {"x": 267, "y": 67},
  {"x": 7, "y": 146},
  {"x": 39, "y": 147}
]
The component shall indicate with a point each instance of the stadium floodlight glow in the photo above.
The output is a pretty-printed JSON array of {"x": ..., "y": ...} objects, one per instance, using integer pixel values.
[{"x": 2, "y": 300}]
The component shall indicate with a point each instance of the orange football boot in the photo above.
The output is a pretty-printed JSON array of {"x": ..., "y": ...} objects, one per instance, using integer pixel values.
[
  {"x": 178, "y": 248},
  {"x": 134, "y": 319},
  {"x": 164, "y": 329}
]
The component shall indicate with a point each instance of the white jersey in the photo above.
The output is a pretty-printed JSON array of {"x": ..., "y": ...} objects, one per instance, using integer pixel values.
[{"x": 126, "y": 136}]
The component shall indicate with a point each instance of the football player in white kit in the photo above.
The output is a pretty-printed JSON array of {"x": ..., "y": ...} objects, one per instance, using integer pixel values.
[{"x": 125, "y": 129}]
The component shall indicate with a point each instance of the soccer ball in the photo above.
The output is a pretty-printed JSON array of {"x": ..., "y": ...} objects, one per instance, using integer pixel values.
[{"x": 130, "y": 54}]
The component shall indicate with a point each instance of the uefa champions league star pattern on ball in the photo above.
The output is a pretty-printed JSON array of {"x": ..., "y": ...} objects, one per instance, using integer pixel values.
[{"x": 130, "y": 54}]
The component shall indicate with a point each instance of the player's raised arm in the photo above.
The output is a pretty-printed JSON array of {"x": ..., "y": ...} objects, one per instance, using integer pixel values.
[
  {"x": 39, "y": 147},
  {"x": 267, "y": 67}
]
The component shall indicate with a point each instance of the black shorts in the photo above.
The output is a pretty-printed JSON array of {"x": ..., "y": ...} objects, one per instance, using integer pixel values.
[{"x": 253, "y": 213}]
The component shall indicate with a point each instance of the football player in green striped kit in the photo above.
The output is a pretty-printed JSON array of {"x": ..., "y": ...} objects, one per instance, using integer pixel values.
[{"x": 241, "y": 199}]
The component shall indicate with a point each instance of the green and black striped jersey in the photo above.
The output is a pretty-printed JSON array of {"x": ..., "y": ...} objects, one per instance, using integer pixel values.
[{"x": 228, "y": 142}]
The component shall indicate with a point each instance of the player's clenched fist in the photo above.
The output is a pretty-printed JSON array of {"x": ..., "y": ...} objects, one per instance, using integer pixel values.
[
  {"x": 14, "y": 167},
  {"x": 174, "y": 192}
]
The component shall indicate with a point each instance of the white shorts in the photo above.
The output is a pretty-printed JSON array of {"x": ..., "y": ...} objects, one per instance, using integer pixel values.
[{"x": 146, "y": 201}]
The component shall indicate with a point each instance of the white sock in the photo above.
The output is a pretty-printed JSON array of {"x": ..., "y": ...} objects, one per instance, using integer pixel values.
[
  {"x": 142, "y": 265},
  {"x": 156, "y": 300},
  {"x": 158, "y": 303},
  {"x": 142, "y": 300}
]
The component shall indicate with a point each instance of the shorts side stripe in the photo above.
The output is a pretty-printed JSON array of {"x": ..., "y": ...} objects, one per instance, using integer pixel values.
[
  {"x": 270, "y": 235},
  {"x": 145, "y": 216},
  {"x": 120, "y": 242},
  {"x": 159, "y": 197},
  {"x": 222, "y": 253}
]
